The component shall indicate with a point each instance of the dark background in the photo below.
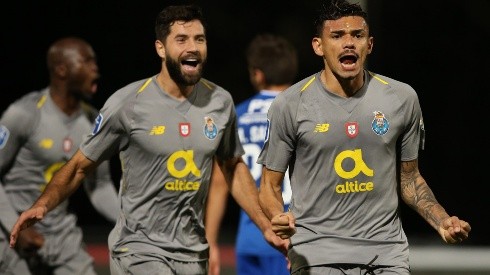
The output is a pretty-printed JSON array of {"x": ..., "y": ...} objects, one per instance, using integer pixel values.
[{"x": 439, "y": 47}]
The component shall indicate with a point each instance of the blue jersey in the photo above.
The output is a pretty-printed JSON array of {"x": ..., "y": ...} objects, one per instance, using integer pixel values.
[{"x": 252, "y": 126}]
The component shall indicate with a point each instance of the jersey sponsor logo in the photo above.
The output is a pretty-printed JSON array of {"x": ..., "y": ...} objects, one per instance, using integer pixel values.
[
  {"x": 352, "y": 129},
  {"x": 180, "y": 164},
  {"x": 46, "y": 143},
  {"x": 321, "y": 128},
  {"x": 359, "y": 166},
  {"x": 67, "y": 144},
  {"x": 157, "y": 130},
  {"x": 185, "y": 129},
  {"x": 210, "y": 129},
  {"x": 380, "y": 124},
  {"x": 98, "y": 123},
  {"x": 4, "y": 136}
]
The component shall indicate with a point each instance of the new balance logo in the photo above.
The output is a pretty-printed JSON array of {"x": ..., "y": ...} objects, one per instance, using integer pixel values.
[
  {"x": 321, "y": 128},
  {"x": 157, "y": 130}
]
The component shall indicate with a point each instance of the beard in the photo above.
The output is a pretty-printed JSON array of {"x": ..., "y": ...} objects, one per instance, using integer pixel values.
[{"x": 173, "y": 67}]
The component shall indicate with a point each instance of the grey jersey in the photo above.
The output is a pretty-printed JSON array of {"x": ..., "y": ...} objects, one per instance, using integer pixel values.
[
  {"x": 36, "y": 139},
  {"x": 342, "y": 154},
  {"x": 166, "y": 148}
]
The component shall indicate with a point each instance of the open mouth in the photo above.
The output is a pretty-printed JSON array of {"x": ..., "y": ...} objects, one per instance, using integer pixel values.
[
  {"x": 348, "y": 59},
  {"x": 190, "y": 62},
  {"x": 94, "y": 85}
]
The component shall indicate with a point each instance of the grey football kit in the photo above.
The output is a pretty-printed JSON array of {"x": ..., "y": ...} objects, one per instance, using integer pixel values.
[
  {"x": 36, "y": 139},
  {"x": 166, "y": 147},
  {"x": 342, "y": 155}
]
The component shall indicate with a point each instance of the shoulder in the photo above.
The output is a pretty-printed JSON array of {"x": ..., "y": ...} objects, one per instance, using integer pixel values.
[
  {"x": 24, "y": 113},
  {"x": 243, "y": 105},
  {"x": 293, "y": 94},
  {"x": 32, "y": 99},
  {"x": 128, "y": 92},
  {"x": 215, "y": 91},
  {"x": 29, "y": 104},
  {"x": 401, "y": 89}
]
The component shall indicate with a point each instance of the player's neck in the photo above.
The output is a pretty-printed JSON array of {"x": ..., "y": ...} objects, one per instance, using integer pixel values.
[
  {"x": 66, "y": 101},
  {"x": 341, "y": 86},
  {"x": 168, "y": 85}
]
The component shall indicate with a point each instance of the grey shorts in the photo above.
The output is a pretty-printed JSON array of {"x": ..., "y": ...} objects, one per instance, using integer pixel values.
[
  {"x": 150, "y": 264},
  {"x": 347, "y": 269}
]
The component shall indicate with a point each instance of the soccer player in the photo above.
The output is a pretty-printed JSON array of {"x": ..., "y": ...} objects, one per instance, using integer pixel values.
[
  {"x": 351, "y": 139},
  {"x": 38, "y": 134},
  {"x": 167, "y": 129}
]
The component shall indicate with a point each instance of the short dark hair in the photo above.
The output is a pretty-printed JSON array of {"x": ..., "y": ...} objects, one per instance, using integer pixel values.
[
  {"x": 275, "y": 56},
  {"x": 336, "y": 9},
  {"x": 171, "y": 14}
]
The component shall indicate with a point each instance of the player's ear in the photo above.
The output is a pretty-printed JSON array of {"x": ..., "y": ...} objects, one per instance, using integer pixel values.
[
  {"x": 316, "y": 43},
  {"x": 160, "y": 48},
  {"x": 370, "y": 44}
]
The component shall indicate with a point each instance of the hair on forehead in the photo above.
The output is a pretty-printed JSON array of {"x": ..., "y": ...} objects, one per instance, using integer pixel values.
[
  {"x": 336, "y": 9},
  {"x": 171, "y": 14}
]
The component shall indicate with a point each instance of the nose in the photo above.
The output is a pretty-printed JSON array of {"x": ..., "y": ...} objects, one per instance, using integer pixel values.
[
  {"x": 94, "y": 66},
  {"x": 348, "y": 41},
  {"x": 192, "y": 45}
]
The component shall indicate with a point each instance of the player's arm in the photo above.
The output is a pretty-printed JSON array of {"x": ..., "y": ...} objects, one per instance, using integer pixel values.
[
  {"x": 215, "y": 211},
  {"x": 244, "y": 191},
  {"x": 416, "y": 193},
  {"x": 270, "y": 197},
  {"x": 102, "y": 192},
  {"x": 15, "y": 126},
  {"x": 61, "y": 186}
]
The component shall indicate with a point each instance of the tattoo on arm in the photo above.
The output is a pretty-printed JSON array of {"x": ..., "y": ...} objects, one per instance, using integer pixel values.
[{"x": 417, "y": 194}]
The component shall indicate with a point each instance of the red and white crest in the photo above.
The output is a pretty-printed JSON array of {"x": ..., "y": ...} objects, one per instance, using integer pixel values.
[
  {"x": 67, "y": 144},
  {"x": 352, "y": 129},
  {"x": 185, "y": 129}
]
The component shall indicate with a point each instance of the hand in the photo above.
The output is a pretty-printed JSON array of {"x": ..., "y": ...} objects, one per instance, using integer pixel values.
[
  {"x": 275, "y": 241},
  {"x": 214, "y": 260},
  {"x": 25, "y": 220},
  {"x": 282, "y": 228},
  {"x": 453, "y": 230},
  {"x": 284, "y": 225},
  {"x": 29, "y": 241}
]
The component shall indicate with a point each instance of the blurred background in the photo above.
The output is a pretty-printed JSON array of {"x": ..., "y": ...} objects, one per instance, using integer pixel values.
[{"x": 438, "y": 47}]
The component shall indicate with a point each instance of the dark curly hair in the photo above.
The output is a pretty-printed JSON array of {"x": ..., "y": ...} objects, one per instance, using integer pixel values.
[
  {"x": 169, "y": 15},
  {"x": 335, "y": 9}
]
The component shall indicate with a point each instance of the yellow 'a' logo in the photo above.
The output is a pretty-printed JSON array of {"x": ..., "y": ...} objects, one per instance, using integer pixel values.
[{"x": 181, "y": 183}]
